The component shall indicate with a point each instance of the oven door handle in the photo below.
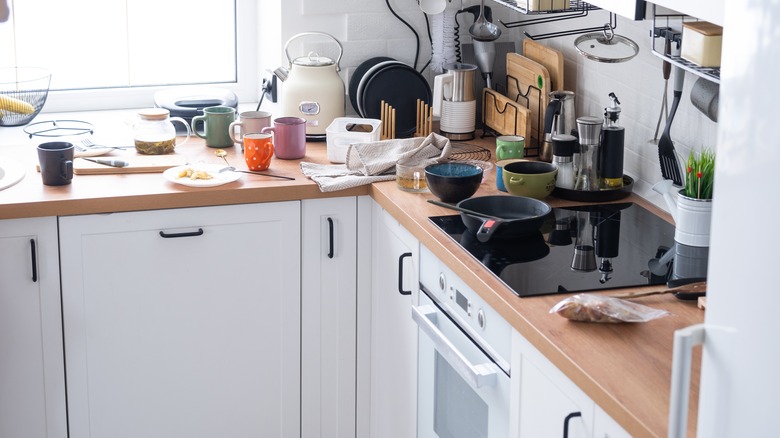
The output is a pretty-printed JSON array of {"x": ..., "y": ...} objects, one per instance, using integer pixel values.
[{"x": 477, "y": 376}]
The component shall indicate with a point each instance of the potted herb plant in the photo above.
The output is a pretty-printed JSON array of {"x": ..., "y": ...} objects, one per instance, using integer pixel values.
[
  {"x": 692, "y": 207},
  {"x": 700, "y": 175}
]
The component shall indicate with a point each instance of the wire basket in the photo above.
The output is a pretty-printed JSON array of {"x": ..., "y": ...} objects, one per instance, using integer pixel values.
[{"x": 29, "y": 85}]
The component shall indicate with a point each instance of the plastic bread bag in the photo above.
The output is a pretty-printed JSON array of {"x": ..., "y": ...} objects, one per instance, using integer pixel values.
[{"x": 599, "y": 308}]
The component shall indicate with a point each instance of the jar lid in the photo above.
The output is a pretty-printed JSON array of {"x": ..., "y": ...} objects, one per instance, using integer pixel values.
[
  {"x": 154, "y": 113},
  {"x": 564, "y": 145},
  {"x": 313, "y": 60}
]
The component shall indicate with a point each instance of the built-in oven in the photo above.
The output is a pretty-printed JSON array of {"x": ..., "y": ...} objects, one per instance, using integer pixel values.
[{"x": 463, "y": 359}]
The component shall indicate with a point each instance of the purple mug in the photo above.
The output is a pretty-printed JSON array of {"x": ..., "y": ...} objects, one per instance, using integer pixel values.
[{"x": 289, "y": 137}]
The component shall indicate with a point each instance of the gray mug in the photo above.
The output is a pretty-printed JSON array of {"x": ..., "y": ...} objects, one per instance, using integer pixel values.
[{"x": 56, "y": 162}]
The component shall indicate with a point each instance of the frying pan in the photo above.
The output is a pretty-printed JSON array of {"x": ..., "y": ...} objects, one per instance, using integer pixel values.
[{"x": 514, "y": 216}]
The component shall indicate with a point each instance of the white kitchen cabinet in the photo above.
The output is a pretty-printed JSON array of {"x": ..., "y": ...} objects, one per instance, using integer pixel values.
[
  {"x": 328, "y": 317},
  {"x": 32, "y": 373},
  {"x": 183, "y": 323},
  {"x": 393, "y": 345},
  {"x": 631, "y": 9},
  {"x": 550, "y": 404},
  {"x": 605, "y": 427},
  {"x": 707, "y": 10}
]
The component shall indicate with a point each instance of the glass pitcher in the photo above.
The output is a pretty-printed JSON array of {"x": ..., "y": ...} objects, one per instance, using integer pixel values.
[{"x": 154, "y": 133}]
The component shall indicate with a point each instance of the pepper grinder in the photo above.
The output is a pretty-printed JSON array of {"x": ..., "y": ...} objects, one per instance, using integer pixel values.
[
  {"x": 563, "y": 158},
  {"x": 610, "y": 162},
  {"x": 589, "y": 129}
]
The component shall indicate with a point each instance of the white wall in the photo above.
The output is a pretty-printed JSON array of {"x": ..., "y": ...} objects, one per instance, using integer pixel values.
[{"x": 366, "y": 28}]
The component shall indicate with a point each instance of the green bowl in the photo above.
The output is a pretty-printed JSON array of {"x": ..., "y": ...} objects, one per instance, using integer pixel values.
[{"x": 534, "y": 179}]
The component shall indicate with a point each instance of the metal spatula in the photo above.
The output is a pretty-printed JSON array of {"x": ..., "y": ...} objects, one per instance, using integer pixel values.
[{"x": 667, "y": 157}]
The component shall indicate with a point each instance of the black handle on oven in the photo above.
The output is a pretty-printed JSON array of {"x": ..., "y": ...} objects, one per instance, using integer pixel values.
[
  {"x": 566, "y": 422},
  {"x": 401, "y": 274}
]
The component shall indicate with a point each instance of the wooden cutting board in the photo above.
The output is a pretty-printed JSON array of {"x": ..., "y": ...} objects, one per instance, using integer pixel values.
[
  {"x": 548, "y": 57},
  {"x": 528, "y": 81},
  {"x": 138, "y": 164},
  {"x": 504, "y": 115}
]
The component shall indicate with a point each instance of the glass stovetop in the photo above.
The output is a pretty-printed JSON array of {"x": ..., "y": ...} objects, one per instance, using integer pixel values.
[{"x": 614, "y": 244}]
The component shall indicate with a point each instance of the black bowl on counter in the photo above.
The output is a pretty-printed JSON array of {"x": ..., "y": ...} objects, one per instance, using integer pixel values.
[{"x": 453, "y": 182}]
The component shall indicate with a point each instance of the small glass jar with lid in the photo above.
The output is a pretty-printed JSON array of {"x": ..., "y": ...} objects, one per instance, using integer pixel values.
[{"x": 154, "y": 133}]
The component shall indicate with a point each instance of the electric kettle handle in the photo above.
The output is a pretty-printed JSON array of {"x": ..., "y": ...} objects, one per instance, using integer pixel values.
[{"x": 287, "y": 44}]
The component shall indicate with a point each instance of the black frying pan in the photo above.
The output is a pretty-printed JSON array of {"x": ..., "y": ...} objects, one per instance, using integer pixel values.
[{"x": 514, "y": 216}]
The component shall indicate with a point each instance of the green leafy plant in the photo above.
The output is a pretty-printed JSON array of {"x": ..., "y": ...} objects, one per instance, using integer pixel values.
[{"x": 700, "y": 175}]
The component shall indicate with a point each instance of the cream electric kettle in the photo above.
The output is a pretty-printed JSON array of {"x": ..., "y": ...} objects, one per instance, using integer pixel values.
[{"x": 312, "y": 89}]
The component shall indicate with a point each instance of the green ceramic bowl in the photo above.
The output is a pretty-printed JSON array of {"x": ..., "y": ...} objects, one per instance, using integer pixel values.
[{"x": 534, "y": 179}]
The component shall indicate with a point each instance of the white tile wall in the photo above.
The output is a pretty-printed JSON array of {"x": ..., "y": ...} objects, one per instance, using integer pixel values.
[{"x": 366, "y": 29}]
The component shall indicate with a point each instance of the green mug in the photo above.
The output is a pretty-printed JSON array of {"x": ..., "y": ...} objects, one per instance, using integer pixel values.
[
  {"x": 216, "y": 126},
  {"x": 509, "y": 146}
]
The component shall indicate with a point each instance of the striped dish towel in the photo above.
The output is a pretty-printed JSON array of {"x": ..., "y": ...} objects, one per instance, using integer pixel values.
[{"x": 367, "y": 163}]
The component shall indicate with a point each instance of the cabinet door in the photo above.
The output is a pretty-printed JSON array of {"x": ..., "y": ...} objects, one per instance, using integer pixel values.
[
  {"x": 32, "y": 379},
  {"x": 329, "y": 314},
  {"x": 605, "y": 427},
  {"x": 395, "y": 258},
  {"x": 183, "y": 323},
  {"x": 550, "y": 403}
]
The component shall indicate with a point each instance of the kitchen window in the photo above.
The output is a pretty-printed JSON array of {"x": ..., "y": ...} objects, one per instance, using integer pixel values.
[{"x": 117, "y": 53}]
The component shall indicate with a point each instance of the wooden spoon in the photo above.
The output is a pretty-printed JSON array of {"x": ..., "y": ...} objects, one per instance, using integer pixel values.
[{"x": 692, "y": 288}]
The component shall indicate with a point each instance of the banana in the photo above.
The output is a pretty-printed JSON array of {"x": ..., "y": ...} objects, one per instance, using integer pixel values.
[{"x": 15, "y": 105}]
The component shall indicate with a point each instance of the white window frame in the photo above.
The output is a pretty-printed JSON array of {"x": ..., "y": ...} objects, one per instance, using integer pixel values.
[{"x": 246, "y": 88}]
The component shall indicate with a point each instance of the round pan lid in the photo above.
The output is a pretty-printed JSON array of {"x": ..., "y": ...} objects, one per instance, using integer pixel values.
[
  {"x": 358, "y": 74},
  {"x": 400, "y": 86}
]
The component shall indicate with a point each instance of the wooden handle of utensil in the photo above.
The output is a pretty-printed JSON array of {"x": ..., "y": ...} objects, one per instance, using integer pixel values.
[{"x": 691, "y": 288}]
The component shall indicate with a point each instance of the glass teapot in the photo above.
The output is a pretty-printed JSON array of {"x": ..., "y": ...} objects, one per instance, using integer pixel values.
[{"x": 154, "y": 133}]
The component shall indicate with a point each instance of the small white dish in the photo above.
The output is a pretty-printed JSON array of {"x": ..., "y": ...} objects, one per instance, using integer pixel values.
[
  {"x": 81, "y": 151},
  {"x": 217, "y": 178}
]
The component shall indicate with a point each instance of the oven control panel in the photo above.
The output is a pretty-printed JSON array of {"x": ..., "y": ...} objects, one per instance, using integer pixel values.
[{"x": 483, "y": 324}]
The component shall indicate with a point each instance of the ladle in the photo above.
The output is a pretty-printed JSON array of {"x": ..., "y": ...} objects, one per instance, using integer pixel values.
[
  {"x": 483, "y": 30},
  {"x": 222, "y": 154}
]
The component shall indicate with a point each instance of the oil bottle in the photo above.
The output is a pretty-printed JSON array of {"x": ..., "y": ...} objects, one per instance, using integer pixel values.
[{"x": 610, "y": 162}]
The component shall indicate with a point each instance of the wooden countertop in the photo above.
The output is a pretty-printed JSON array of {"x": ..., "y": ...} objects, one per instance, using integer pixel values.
[{"x": 624, "y": 368}]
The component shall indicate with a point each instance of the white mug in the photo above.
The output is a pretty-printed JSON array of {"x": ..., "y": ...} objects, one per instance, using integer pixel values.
[{"x": 249, "y": 122}]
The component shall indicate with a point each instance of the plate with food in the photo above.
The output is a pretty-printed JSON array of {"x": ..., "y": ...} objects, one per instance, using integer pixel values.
[{"x": 200, "y": 175}]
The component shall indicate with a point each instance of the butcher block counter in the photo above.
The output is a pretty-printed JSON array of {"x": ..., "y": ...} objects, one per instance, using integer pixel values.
[{"x": 624, "y": 368}]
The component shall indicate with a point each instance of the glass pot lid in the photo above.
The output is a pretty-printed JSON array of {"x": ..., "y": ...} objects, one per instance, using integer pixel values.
[{"x": 606, "y": 46}]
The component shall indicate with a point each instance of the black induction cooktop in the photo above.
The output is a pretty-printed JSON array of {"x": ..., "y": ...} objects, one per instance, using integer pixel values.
[{"x": 583, "y": 248}]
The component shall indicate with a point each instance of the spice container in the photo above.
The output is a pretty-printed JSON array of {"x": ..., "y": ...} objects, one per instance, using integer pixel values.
[
  {"x": 701, "y": 43},
  {"x": 154, "y": 133},
  {"x": 563, "y": 158}
]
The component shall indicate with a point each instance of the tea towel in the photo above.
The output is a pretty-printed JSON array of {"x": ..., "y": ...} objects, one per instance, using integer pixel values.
[{"x": 367, "y": 163}]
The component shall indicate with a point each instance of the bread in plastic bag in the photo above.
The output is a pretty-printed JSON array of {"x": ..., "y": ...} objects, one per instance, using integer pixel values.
[{"x": 600, "y": 308}]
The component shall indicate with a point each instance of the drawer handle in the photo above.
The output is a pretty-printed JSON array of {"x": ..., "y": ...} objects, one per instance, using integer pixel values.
[
  {"x": 330, "y": 239},
  {"x": 165, "y": 235},
  {"x": 566, "y": 422},
  {"x": 34, "y": 261},
  {"x": 477, "y": 376},
  {"x": 401, "y": 274}
]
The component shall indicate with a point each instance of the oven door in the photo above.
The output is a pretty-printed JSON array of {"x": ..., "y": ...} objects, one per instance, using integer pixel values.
[{"x": 461, "y": 392}]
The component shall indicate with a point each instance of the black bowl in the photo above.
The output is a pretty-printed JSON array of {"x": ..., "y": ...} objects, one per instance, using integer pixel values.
[{"x": 453, "y": 182}]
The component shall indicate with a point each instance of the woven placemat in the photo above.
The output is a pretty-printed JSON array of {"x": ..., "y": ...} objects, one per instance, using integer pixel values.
[{"x": 468, "y": 151}]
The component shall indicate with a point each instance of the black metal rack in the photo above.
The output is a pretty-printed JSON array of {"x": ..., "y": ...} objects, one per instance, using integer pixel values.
[{"x": 673, "y": 23}]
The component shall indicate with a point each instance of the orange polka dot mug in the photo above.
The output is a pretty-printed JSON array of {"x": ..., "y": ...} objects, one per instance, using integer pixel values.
[{"x": 258, "y": 151}]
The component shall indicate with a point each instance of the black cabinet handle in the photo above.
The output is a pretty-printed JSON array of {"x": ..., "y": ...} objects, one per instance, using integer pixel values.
[
  {"x": 401, "y": 274},
  {"x": 566, "y": 422},
  {"x": 165, "y": 235},
  {"x": 330, "y": 230},
  {"x": 34, "y": 261}
]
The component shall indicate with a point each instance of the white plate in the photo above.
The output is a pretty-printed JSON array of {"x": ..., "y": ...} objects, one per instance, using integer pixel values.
[
  {"x": 90, "y": 152},
  {"x": 217, "y": 179}
]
